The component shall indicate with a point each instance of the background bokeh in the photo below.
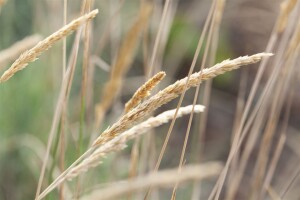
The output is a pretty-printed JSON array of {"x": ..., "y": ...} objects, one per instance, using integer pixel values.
[{"x": 27, "y": 101}]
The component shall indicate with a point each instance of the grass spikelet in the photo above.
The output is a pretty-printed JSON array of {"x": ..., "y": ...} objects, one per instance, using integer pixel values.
[
  {"x": 171, "y": 92},
  {"x": 32, "y": 54},
  {"x": 144, "y": 91},
  {"x": 123, "y": 62},
  {"x": 118, "y": 143},
  {"x": 16, "y": 49}
]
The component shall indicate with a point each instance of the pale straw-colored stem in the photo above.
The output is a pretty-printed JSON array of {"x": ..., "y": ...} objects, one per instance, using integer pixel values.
[
  {"x": 171, "y": 92},
  {"x": 159, "y": 179},
  {"x": 286, "y": 8},
  {"x": 123, "y": 63},
  {"x": 33, "y": 54},
  {"x": 273, "y": 164},
  {"x": 273, "y": 194}
]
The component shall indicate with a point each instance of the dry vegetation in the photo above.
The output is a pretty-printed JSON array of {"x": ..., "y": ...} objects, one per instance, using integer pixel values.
[{"x": 79, "y": 159}]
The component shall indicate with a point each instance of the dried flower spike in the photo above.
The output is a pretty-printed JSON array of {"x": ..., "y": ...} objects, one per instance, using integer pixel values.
[
  {"x": 144, "y": 91},
  {"x": 172, "y": 91},
  {"x": 32, "y": 54}
]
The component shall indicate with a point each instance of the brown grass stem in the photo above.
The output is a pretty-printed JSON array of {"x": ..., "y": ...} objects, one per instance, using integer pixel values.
[{"x": 54, "y": 126}]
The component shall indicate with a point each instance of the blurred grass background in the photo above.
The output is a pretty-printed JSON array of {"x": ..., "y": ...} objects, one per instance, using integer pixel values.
[{"x": 27, "y": 101}]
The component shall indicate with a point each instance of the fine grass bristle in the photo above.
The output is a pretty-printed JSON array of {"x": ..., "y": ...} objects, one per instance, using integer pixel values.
[
  {"x": 144, "y": 91},
  {"x": 33, "y": 54}
]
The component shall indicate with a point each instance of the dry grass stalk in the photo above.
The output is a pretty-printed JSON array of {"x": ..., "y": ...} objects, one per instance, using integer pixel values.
[
  {"x": 85, "y": 8},
  {"x": 212, "y": 46},
  {"x": 259, "y": 107},
  {"x": 63, "y": 114},
  {"x": 294, "y": 42},
  {"x": 240, "y": 131},
  {"x": 150, "y": 63},
  {"x": 118, "y": 143},
  {"x": 162, "y": 25},
  {"x": 16, "y": 49},
  {"x": 171, "y": 92},
  {"x": 290, "y": 183},
  {"x": 107, "y": 30},
  {"x": 39, "y": 149},
  {"x": 123, "y": 62},
  {"x": 86, "y": 58},
  {"x": 219, "y": 4},
  {"x": 240, "y": 104},
  {"x": 144, "y": 91},
  {"x": 279, "y": 89},
  {"x": 99, "y": 62},
  {"x": 61, "y": 105},
  {"x": 286, "y": 8},
  {"x": 94, "y": 154},
  {"x": 193, "y": 64},
  {"x": 32, "y": 54},
  {"x": 281, "y": 86},
  {"x": 158, "y": 179},
  {"x": 273, "y": 164},
  {"x": 254, "y": 134},
  {"x": 273, "y": 194}
]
